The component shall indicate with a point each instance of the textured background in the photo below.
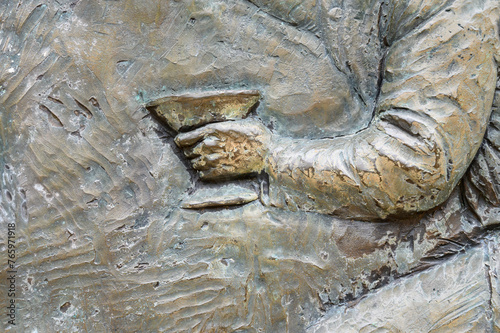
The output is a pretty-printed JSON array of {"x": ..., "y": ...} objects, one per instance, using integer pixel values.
[{"x": 94, "y": 183}]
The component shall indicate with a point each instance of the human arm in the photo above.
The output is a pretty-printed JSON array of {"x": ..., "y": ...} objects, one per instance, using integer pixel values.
[{"x": 434, "y": 105}]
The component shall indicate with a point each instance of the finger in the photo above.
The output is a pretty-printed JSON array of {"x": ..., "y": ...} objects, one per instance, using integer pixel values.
[
  {"x": 213, "y": 160},
  {"x": 208, "y": 161},
  {"x": 213, "y": 141},
  {"x": 192, "y": 152},
  {"x": 200, "y": 164},
  {"x": 208, "y": 146},
  {"x": 217, "y": 173},
  {"x": 190, "y": 138}
]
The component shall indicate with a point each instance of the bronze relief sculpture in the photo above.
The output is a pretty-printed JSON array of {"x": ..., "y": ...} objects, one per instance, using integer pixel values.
[{"x": 234, "y": 166}]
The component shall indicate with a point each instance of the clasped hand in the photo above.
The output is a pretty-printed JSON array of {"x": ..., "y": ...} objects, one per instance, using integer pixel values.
[{"x": 226, "y": 149}]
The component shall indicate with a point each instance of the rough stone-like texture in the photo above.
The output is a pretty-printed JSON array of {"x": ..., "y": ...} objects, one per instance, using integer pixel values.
[
  {"x": 455, "y": 296},
  {"x": 493, "y": 269},
  {"x": 95, "y": 184}
]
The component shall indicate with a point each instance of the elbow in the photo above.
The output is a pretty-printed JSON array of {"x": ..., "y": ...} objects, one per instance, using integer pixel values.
[
  {"x": 414, "y": 190},
  {"x": 418, "y": 163}
]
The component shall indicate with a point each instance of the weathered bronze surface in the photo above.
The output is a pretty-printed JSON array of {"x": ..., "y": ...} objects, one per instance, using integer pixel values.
[
  {"x": 194, "y": 110},
  {"x": 262, "y": 166}
]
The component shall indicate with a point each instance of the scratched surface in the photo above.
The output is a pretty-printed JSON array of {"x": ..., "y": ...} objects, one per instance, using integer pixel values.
[{"x": 95, "y": 185}]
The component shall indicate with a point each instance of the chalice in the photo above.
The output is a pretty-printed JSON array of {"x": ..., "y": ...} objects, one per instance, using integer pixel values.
[{"x": 186, "y": 112}]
